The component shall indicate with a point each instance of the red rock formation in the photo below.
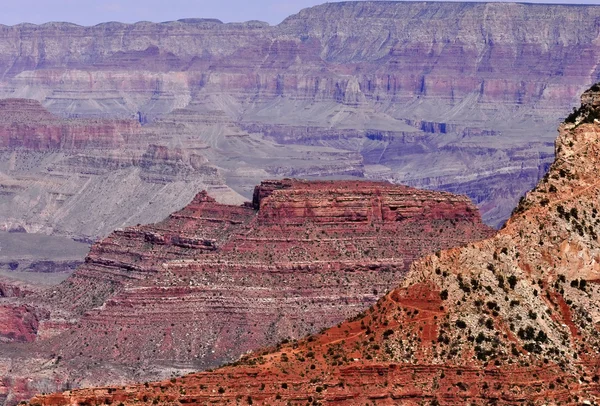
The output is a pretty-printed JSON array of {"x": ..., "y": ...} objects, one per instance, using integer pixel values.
[
  {"x": 314, "y": 253},
  {"x": 212, "y": 281},
  {"x": 508, "y": 320}
]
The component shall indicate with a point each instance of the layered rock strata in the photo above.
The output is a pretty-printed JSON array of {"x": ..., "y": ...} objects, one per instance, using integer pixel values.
[
  {"x": 366, "y": 89},
  {"x": 324, "y": 248},
  {"x": 26, "y": 124},
  {"x": 509, "y": 320},
  {"x": 213, "y": 281},
  {"x": 54, "y": 172}
]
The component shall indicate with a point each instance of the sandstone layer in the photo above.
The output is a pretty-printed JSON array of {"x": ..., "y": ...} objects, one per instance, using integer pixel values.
[
  {"x": 462, "y": 97},
  {"x": 509, "y": 320},
  {"x": 212, "y": 281}
]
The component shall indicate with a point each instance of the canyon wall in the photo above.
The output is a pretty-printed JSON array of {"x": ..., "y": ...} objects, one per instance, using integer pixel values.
[
  {"x": 26, "y": 124},
  {"x": 463, "y": 97},
  {"x": 82, "y": 178}
]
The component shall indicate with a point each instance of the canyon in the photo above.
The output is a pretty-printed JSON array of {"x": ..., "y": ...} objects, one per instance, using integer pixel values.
[
  {"x": 512, "y": 319},
  {"x": 213, "y": 281},
  {"x": 173, "y": 124},
  {"x": 373, "y": 90}
]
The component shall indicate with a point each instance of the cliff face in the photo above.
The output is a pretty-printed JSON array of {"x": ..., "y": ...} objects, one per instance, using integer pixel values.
[
  {"x": 470, "y": 91},
  {"x": 213, "y": 281},
  {"x": 414, "y": 39},
  {"x": 510, "y": 320}
]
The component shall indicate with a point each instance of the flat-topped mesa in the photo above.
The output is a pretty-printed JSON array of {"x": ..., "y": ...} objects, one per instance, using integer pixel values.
[
  {"x": 509, "y": 320},
  {"x": 213, "y": 281},
  {"x": 27, "y": 124},
  {"x": 292, "y": 200},
  {"x": 302, "y": 222}
]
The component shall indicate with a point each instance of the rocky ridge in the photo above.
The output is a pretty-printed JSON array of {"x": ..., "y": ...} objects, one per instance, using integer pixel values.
[
  {"x": 213, "y": 281},
  {"x": 509, "y": 320}
]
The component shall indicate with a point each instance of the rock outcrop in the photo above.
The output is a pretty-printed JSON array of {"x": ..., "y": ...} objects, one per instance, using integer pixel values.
[
  {"x": 301, "y": 256},
  {"x": 212, "y": 281},
  {"x": 19, "y": 323},
  {"x": 509, "y": 320}
]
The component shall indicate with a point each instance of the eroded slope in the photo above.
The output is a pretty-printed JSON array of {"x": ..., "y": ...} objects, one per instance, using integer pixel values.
[{"x": 82, "y": 178}]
